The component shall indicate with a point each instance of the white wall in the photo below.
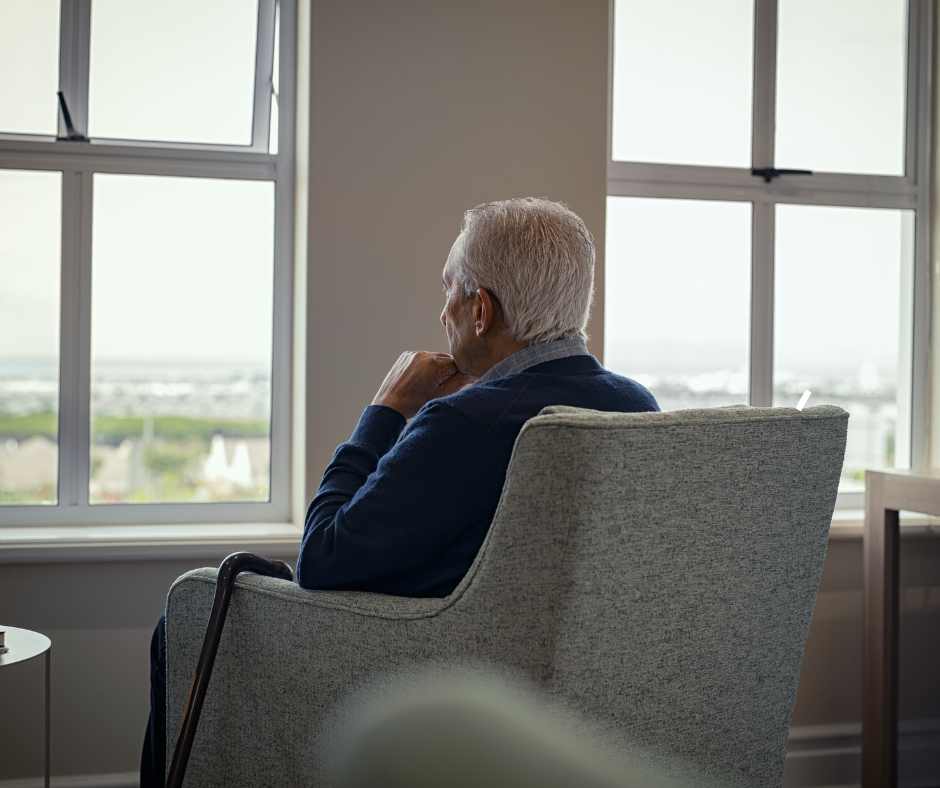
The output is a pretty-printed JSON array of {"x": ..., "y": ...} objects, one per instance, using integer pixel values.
[{"x": 418, "y": 110}]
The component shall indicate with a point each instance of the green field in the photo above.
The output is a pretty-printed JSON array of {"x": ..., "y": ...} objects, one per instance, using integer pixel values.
[
  {"x": 167, "y": 451},
  {"x": 111, "y": 430}
]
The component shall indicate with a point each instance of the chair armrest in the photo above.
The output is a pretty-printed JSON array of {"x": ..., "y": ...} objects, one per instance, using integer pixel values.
[
  {"x": 229, "y": 571},
  {"x": 358, "y": 602},
  {"x": 286, "y": 657}
]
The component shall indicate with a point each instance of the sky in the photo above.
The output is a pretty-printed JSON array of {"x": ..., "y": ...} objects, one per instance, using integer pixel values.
[
  {"x": 677, "y": 281},
  {"x": 182, "y": 267}
]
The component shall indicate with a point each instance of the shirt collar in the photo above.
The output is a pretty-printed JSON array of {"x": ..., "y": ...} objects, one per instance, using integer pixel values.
[{"x": 539, "y": 353}]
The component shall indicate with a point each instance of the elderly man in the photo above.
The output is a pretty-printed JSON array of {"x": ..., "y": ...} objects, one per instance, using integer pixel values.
[{"x": 404, "y": 509}]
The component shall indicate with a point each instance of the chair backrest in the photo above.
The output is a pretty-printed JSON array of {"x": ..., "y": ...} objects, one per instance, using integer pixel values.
[{"x": 673, "y": 561}]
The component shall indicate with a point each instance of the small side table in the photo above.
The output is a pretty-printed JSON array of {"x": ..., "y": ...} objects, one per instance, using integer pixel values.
[
  {"x": 24, "y": 645},
  {"x": 886, "y": 494}
]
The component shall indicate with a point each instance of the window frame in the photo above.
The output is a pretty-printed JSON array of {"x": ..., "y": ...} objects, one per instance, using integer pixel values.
[
  {"x": 78, "y": 162},
  {"x": 910, "y": 191}
]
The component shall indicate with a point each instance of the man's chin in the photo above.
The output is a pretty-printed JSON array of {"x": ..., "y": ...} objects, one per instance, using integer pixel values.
[
  {"x": 460, "y": 361},
  {"x": 456, "y": 354}
]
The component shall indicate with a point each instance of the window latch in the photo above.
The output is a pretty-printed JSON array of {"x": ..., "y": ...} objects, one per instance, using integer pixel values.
[
  {"x": 71, "y": 135},
  {"x": 769, "y": 173}
]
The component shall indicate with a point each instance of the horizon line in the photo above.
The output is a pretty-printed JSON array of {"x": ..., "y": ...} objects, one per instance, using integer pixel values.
[{"x": 124, "y": 360}]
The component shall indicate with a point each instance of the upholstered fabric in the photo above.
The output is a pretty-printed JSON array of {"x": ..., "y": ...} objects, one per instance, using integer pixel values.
[{"x": 655, "y": 571}]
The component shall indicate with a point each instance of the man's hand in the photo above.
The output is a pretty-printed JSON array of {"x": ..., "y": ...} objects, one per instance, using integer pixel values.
[{"x": 419, "y": 376}]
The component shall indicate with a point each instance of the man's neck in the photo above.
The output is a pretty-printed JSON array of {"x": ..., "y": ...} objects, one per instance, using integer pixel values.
[
  {"x": 533, "y": 355},
  {"x": 501, "y": 349}
]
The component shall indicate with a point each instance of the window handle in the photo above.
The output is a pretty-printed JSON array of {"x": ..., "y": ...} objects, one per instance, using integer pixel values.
[
  {"x": 769, "y": 173},
  {"x": 71, "y": 134}
]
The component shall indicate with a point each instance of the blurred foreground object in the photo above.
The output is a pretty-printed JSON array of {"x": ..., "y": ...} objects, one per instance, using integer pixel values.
[{"x": 468, "y": 729}]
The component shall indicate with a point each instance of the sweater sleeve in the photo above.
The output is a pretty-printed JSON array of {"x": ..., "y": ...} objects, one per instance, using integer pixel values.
[{"x": 388, "y": 505}]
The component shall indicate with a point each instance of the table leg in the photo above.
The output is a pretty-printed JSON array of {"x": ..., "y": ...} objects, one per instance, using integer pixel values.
[
  {"x": 880, "y": 663},
  {"x": 48, "y": 700}
]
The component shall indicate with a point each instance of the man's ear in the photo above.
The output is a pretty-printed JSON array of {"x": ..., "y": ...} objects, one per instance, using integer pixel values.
[{"x": 484, "y": 311}]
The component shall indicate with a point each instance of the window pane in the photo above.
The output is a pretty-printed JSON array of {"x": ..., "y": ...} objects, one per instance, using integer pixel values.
[
  {"x": 676, "y": 307},
  {"x": 29, "y": 66},
  {"x": 30, "y": 231},
  {"x": 837, "y": 322},
  {"x": 841, "y": 85},
  {"x": 682, "y": 82},
  {"x": 176, "y": 71},
  {"x": 182, "y": 313}
]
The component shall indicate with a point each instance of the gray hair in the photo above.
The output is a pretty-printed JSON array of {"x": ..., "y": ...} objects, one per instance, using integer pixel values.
[{"x": 537, "y": 258}]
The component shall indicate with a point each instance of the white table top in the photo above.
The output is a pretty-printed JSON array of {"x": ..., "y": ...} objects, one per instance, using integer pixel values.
[{"x": 24, "y": 644}]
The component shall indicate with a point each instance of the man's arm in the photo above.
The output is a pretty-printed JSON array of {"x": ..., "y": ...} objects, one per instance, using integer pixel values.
[{"x": 385, "y": 509}]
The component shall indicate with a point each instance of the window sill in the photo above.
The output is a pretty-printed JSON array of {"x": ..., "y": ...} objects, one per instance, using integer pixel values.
[{"x": 52, "y": 544}]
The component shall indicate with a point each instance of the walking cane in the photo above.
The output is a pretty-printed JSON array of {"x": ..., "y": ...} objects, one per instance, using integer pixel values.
[{"x": 229, "y": 569}]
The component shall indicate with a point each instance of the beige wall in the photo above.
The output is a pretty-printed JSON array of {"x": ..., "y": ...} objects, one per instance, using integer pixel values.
[{"x": 419, "y": 111}]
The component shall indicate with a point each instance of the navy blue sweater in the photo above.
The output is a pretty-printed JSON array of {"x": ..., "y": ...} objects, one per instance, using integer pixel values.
[{"x": 404, "y": 510}]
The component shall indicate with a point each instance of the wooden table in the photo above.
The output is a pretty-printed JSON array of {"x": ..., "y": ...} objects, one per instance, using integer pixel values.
[{"x": 886, "y": 494}]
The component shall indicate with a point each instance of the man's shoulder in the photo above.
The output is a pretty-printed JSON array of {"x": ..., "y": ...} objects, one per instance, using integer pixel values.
[
  {"x": 639, "y": 395},
  {"x": 463, "y": 420},
  {"x": 478, "y": 400},
  {"x": 598, "y": 388}
]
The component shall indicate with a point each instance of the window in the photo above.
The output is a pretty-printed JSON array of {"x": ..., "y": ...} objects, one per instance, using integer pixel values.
[
  {"x": 146, "y": 229},
  {"x": 728, "y": 280},
  {"x": 689, "y": 335}
]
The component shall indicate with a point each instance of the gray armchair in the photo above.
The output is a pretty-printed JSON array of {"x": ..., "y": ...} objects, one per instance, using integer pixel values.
[{"x": 655, "y": 572}]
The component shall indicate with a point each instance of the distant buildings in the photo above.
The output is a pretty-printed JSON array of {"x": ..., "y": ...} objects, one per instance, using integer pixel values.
[
  {"x": 144, "y": 467},
  {"x": 29, "y": 465},
  {"x": 229, "y": 470},
  {"x": 228, "y": 467},
  {"x": 150, "y": 467}
]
